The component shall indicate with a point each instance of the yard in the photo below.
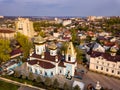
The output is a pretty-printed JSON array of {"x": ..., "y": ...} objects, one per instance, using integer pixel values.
[{"x": 8, "y": 86}]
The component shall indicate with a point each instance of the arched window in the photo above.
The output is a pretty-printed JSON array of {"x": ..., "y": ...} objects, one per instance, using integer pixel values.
[
  {"x": 69, "y": 57},
  {"x": 45, "y": 73},
  {"x": 51, "y": 73}
]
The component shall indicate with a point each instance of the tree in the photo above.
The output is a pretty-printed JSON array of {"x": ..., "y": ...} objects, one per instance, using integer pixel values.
[
  {"x": 39, "y": 79},
  {"x": 48, "y": 81},
  {"x": 17, "y": 74},
  {"x": 25, "y": 43},
  {"x": 64, "y": 47},
  {"x": 4, "y": 50},
  {"x": 55, "y": 83},
  {"x": 65, "y": 86},
  {"x": 31, "y": 76},
  {"x": 76, "y": 87},
  {"x": 79, "y": 56},
  {"x": 42, "y": 33}
]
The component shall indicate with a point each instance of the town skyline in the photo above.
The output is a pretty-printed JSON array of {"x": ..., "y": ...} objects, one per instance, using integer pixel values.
[{"x": 59, "y": 8}]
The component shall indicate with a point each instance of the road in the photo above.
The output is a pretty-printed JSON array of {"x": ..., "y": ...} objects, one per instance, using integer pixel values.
[{"x": 30, "y": 87}]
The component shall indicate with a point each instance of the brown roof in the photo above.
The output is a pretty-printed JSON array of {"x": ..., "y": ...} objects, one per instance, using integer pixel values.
[
  {"x": 15, "y": 51},
  {"x": 6, "y": 31},
  {"x": 48, "y": 57},
  {"x": 43, "y": 64},
  {"x": 106, "y": 56},
  {"x": 61, "y": 64}
]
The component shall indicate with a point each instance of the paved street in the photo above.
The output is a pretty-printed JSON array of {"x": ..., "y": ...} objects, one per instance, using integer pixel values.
[{"x": 105, "y": 81}]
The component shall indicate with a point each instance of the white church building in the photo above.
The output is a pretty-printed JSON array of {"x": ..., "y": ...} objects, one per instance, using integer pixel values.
[{"x": 46, "y": 61}]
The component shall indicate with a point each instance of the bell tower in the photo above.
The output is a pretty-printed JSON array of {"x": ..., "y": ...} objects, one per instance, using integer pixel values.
[
  {"x": 70, "y": 54},
  {"x": 39, "y": 45}
]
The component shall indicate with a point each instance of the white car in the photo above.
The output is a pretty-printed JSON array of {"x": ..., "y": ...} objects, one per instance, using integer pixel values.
[{"x": 10, "y": 72}]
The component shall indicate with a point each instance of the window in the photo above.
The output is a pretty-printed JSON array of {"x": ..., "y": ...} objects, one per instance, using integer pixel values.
[
  {"x": 96, "y": 67},
  {"x": 107, "y": 70},
  {"x": 113, "y": 65},
  {"x": 51, "y": 73},
  {"x": 97, "y": 61},
  {"x": 101, "y": 68},
  {"x": 118, "y": 72},
  {"x": 68, "y": 57},
  {"x": 103, "y": 63},
  {"x": 36, "y": 71},
  {"x": 30, "y": 69},
  {"x": 37, "y": 49},
  {"x": 108, "y": 64},
  {"x": 60, "y": 71},
  {"x": 45, "y": 73},
  {"x": 112, "y": 71},
  {"x": 119, "y": 66}
]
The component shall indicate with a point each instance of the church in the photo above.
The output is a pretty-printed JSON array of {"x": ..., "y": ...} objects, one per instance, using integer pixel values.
[{"x": 46, "y": 61}]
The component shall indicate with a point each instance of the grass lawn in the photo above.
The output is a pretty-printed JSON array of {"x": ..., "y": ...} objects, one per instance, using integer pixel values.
[{"x": 7, "y": 86}]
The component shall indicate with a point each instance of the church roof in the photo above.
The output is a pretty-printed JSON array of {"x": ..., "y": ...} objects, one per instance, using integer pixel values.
[
  {"x": 71, "y": 49},
  {"x": 61, "y": 64},
  {"x": 39, "y": 39},
  {"x": 43, "y": 64},
  {"x": 52, "y": 46},
  {"x": 47, "y": 57}
]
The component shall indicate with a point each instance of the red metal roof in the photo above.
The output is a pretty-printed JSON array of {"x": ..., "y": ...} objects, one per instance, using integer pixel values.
[{"x": 43, "y": 64}]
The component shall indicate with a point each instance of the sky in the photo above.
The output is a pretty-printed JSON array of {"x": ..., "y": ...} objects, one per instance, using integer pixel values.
[{"x": 60, "y": 7}]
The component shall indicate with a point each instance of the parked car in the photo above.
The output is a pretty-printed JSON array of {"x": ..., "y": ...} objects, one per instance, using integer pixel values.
[{"x": 10, "y": 72}]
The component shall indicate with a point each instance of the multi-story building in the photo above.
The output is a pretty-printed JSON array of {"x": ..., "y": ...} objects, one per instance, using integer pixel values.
[{"x": 25, "y": 26}]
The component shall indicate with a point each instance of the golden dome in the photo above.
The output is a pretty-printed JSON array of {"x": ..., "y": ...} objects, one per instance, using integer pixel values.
[{"x": 39, "y": 39}]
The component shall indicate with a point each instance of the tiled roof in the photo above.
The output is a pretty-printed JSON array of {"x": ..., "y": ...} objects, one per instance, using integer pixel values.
[
  {"x": 15, "y": 51},
  {"x": 47, "y": 57},
  {"x": 6, "y": 31},
  {"x": 106, "y": 56},
  {"x": 61, "y": 64},
  {"x": 43, "y": 64}
]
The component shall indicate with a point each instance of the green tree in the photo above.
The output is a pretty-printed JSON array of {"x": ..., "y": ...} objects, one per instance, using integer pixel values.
[
  {"x": 55, "y": 83},
  {"x": 64, "y": 47},
  {"x": 39, "y": 79},
  {"x": 42, "y": 33},
  {"x": 25, "y": 43},
  {"x": 65, "y": 86},
  {"x": 79, "y": 55},
  {"x": 31, "y": 76},
  {"x": 76, "y": 87},
  {"x": 48, "y": 81},
  {"x": 4, "y": 50}
]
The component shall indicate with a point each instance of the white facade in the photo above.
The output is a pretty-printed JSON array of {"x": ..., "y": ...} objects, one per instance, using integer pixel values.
[
  {"x": 39, "y": 48},
  {"x": 25, "y": 26},
  {"x": 49, "y": 63},
  {"x": 102, "y": 65}
]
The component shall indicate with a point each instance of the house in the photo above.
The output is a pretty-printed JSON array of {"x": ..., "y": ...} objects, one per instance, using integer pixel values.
[
  {"x": 46, "y": 61},
  {"x": 7, "y": 34}
]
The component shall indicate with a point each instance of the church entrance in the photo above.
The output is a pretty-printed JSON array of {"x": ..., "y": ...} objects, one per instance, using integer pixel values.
[{"x": 68, "y": 76}]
